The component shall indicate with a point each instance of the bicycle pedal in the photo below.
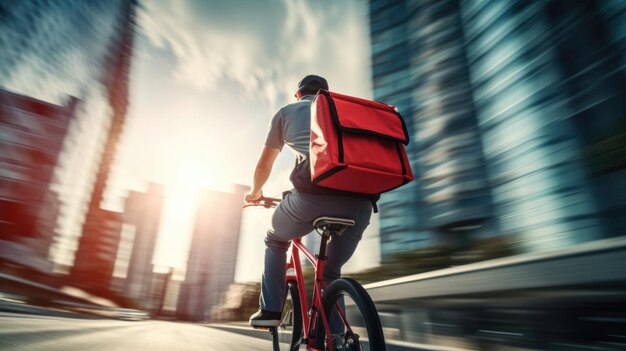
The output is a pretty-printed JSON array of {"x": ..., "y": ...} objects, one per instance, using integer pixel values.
[{"x": 263, "y": 328}]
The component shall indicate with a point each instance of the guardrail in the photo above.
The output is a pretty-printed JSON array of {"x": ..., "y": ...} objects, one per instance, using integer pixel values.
[
  {"x": 598, "y": 262},
  {"x": 570, "y": 298}
]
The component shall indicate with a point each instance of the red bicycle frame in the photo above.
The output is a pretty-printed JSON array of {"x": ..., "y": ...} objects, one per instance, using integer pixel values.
[
  {"x": 317, "y": 307},
  {"x": 309, "y": 320}
]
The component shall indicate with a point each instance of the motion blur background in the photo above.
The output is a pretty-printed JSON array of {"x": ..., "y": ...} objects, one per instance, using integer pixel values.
[{"x": 127, "y": 129}]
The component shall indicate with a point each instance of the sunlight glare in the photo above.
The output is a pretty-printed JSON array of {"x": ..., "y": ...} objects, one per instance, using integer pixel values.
[{"x": 180, "y": 210}]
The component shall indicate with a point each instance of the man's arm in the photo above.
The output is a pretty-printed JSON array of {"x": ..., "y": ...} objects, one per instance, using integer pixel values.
[{"x": 262, "y": 172}]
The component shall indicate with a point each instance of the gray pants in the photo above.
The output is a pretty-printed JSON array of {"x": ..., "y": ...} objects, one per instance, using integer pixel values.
[{"x": 293, "y": 218}]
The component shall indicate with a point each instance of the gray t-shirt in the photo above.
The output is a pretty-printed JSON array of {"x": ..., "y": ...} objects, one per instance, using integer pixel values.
[{"x": 291, "y": 125}]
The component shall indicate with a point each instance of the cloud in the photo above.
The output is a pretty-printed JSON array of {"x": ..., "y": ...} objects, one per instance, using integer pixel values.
[{"x": 264, "y": 47}]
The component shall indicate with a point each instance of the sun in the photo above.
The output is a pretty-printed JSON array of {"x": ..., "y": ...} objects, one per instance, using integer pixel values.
[{"x": 179, "y": 213}]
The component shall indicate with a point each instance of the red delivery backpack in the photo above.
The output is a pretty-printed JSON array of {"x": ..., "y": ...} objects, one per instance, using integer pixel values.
[{"x": 357, "y": 147}]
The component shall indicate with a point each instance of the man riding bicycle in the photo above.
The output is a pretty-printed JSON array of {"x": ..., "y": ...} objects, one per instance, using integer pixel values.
[{"x": 294, "y": 216}]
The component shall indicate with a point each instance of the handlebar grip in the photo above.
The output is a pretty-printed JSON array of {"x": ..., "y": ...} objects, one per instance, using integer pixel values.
[{"x": 267, "y": 202}]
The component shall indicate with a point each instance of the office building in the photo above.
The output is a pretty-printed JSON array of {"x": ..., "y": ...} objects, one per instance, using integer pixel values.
[
  {"x": 419, "y": 65},
  {"x": 170, "y": 300},
  {"x": 526, "y": 120},
  {"x": 589, "y": 42},
  {"x": 517, "y": 122},
  {"x": 143, "y": 212},
  {"x": 456, "y": 201},
  {"x": 213, "y": 253},
  {"x": 94, "y": 262},
  {"x": 117, "y": 66},
  {"x": 392, "y": 84},
  {"x": 52, "y": 50},
  {"x": 31, "y": 136},
  {"x": 158, "y": 292}
]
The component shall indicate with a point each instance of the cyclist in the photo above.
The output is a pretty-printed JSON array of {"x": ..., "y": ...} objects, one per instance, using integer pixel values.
[{"x": 294, "y": 216}]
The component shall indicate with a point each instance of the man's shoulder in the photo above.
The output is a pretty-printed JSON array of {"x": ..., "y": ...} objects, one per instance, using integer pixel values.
[{"x": 295, "y": 106}]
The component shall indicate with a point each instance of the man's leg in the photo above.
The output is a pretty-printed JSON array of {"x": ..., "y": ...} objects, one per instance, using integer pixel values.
[
  {"x": 285, "y": 227},
  {"x": 339, "y": 252},
  {"x": 293, "y": 219}
]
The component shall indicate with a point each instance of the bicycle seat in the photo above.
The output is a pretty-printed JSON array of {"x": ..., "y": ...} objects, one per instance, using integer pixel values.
[{"x": 326, "y": 225}]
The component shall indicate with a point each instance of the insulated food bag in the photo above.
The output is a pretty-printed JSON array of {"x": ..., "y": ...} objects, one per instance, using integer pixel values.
[{"x": 357, "y": 145}]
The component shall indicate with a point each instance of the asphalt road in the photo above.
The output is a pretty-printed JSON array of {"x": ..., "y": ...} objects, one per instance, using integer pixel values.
[{"x": 19, "y": 332}]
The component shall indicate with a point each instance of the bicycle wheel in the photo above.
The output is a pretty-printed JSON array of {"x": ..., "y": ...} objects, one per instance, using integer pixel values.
[
  {"x": 360, "y": 328},
  {"x": 288, "y": 335}
]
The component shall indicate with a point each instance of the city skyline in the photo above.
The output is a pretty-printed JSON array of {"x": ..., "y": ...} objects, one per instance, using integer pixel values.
[
  {"x": 207, "y": 139},
  {"x": 188, "y": 104},
  {"x": 130, "y": 129}
]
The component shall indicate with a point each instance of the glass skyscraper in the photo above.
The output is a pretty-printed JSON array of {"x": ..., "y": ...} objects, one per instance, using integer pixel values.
[
  {"x": 532, "y": 149},
  {"x": 393, "y": 85},
  {"x": 517, "y": 114},
  {"x": 456, "y": 201},
  {"x": 212, "y": 254},
  {"x": 419, "y": 65}
]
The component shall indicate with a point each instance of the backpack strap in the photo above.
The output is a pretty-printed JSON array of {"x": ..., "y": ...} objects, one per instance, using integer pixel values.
[{"x": 301, "y": 179}]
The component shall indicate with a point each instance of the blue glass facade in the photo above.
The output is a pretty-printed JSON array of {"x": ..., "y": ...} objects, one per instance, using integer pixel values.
[
  {"x": 419, "y": 65},
  {"x": 516, "y": 109},
  {"x": 538, "y": 180},
  {"x": 589, "y": 40},
  {"x": 455, "y": 192},
  {"x": 50, "y": 50},
  {"x": 393, "y": 85}
]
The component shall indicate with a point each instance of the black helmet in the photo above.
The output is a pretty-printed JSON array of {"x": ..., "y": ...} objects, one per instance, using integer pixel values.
[{"x": 310, "y": 85}]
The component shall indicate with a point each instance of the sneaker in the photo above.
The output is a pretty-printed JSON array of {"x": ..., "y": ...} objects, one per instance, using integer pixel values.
[
  {"x": 338, "y": 341},
  {"x": 263, "y": 318}
]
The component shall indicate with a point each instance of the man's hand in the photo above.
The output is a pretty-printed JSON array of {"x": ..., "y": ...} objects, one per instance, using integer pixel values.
[
  {"x": 261, "y": 174},
  {"x": 253, "y": 197}
]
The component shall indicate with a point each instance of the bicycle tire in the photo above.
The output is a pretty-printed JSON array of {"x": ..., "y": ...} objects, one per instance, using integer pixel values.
[
  {"x": 288, "y": 335},
  {"x": 352, "y": 289}
]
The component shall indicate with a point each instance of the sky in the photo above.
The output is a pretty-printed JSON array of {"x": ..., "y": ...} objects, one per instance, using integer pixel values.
[{"x": 207, "y": 76}]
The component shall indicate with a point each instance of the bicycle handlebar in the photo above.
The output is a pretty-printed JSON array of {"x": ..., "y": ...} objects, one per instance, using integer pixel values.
[{"x": 267, "y": 202}]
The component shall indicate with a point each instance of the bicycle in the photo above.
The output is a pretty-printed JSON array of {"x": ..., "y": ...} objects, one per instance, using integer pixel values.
[{"x": 309, "y": 326}]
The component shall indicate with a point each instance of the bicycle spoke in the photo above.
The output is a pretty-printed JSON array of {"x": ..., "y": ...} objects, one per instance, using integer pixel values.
[
  {"x": 289, "y": 331},
  {"x": 348, "y": 329},
  {"x": 353, "y": 322}
]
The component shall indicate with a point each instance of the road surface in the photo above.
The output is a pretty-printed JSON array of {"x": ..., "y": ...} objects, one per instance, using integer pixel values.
[{"x": 21, "y": 332}]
